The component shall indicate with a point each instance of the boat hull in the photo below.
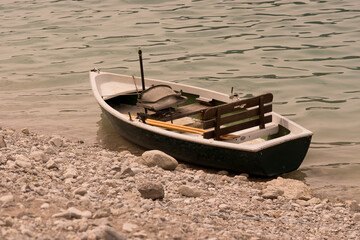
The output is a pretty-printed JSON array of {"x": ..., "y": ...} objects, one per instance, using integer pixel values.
[{"x": 272, "y": 161}]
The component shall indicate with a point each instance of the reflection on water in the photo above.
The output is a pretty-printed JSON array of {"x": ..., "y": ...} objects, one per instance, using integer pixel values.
[
  {"x": 109, "y": 138},
  {"x": 305, "y": 52},
  {"x": 335, "y": 180}
]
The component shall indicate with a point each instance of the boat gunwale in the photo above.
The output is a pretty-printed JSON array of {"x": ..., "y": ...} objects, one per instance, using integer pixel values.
[{"x": 277, "y": 118}]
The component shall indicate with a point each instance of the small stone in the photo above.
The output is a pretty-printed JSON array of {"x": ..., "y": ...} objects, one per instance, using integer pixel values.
[
  {"x": 116, "y": 168},
  {"x": 303, "y": 203},
  {"x": 8, "y": 222},
  {"x": 188, "y": 191},
  {"x": 38, "y": 156},
  {"x": 319, "y": 206},
  {"x": 157, "y": 158},
  {"x": 70, "y": 173},
  {"x": 272, "y": 193},
  {"x": 142, "y": 234},
  {"x": 223, "y": 172},
  {"x": 257, "y": 198},
  {"x": 109, "y": 233},
  {"x": 44, "y": 206},
  {"x": 102, "y": 214},
  {"x": 73, "y": 213},
  {"x": 354, "y": 206},
  {"x": 225, "y": 178},
  {"x": 2, "y": 142},
  {"x": 11, "y": 157},
  {"x": 51, "y": 164},
  {"x": 38, "y": 220},
  {"x": 26, "y": 188},
  {"x": 242, "y": 178},
  {"x": 314, "y": 201},
  {"x": 49, "y": 150},
  {"x": 25, "y": 231},
  {"x": 223, "y": 206},
  {"x": 151, "y": 190},
  {"x": 3, "y": 160},
  {"x": 356, "y": 217},
  {"x": 7, "y": 198},
  {"x": 23, "y": 162},
  {"x": 25, "y": 131},
  {"x": 128, "y": 172},
  {"x": 56, "y": 141},
  {"x": 83, "y": 226},
  {"x": 129, "y": 227},
  {"x": 58, "y": 160},
  {"x": 80, "y": 191}
]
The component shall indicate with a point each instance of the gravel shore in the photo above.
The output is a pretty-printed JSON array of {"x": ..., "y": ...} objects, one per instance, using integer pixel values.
[{"x": 54, "y": 188}]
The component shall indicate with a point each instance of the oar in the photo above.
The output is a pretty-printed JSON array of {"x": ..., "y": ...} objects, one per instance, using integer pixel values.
[
  {"x": 181, "y": 128},
  {"x": 185, "y": 128},
  {"x": 172, "y": 126}
]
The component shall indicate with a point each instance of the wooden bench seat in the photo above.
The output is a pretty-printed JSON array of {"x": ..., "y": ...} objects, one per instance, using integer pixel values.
[{"x": 236, "y": 116}]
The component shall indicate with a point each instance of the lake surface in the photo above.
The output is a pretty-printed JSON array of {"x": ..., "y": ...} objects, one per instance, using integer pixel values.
[{"x": 307, "y": 53}]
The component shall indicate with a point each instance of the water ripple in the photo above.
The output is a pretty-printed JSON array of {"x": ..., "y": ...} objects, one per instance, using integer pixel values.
[
  {"x": 318, "y": 99},
  {"x": 325, "y": 59},
  {"x": 332, "y": 144}
]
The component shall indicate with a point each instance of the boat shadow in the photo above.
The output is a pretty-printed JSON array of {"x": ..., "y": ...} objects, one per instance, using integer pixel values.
[{"x": 110, "y": 139}]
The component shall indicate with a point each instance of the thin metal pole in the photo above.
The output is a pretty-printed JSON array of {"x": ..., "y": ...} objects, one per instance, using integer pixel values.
[
  {"x": 142, "y": 73},
  {"x": 141, "y": 69}
]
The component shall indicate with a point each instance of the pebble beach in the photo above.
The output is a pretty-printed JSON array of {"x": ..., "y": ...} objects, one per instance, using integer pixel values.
[{"x": 52, "y": 187}]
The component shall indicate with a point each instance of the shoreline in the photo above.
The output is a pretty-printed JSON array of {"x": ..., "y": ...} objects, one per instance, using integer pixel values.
[{"x": 56, "y": 187}]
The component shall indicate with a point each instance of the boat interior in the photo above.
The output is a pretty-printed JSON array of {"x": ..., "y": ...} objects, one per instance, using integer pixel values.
[{"x": 247, "y": 121}]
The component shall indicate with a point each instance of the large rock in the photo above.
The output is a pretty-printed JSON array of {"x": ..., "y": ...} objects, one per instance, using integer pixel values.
[
  {"x": 157, "y": 158},
  {"x": 292, "y": 189},
  {"x": 151, "y": 190}
]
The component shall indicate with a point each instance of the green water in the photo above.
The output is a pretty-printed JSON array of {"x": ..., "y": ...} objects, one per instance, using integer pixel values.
[{"x": 305, "y": 52}]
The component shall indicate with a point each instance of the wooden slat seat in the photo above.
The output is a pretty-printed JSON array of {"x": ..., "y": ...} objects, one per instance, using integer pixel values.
[{"x": 236, "y": 116}]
